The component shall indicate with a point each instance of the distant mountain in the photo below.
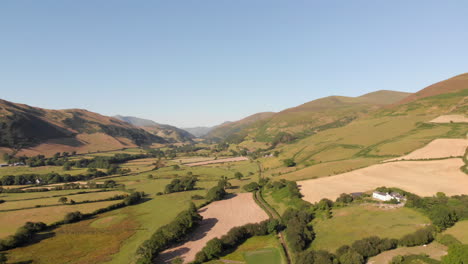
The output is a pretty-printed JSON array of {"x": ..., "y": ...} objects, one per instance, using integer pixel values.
[
  {"x": 33, "y": 130},
  {"x": 229, "y": 129},
  {"x": 306, "y": 119},
  {"x": 198, "y": 131},
  {"x": 385, "y": 97},
  {"x": 170, "y": 133}
]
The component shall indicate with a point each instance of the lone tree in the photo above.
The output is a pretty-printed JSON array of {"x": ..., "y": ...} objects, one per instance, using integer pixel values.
[
  {"x": 289, "y": 163},
  {"x": 63, "y": 200},
  {"x": 238, "y": 175}
]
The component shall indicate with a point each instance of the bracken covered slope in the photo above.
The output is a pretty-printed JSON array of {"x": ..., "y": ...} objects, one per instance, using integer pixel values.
[{"x": 23, "y": 127}]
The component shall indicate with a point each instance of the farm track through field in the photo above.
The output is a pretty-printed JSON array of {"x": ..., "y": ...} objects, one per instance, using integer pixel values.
[{"x": 272, "y": 213}]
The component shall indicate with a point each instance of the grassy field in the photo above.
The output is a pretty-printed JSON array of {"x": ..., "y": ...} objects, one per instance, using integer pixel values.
[
  {"x": 356, "y": 222},
  {"x": 10, "y": 221},
  {"x": 256, "y": 250},
  {"x": 89, "y": 241},
  {"x": 433, "y": 250},
  {"x": 9, "y": 205},
  {"x": 459, "y": 231},
  {"x": 39, "y": 195},
  {"x": 39, "y": 170}
]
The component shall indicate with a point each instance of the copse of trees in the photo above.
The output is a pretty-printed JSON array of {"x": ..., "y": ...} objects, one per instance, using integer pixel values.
[
  {"x": 420, "y": 237},
  {"x": 443, "y": 211},
  {"x": 216, "y": 248},
  {"x": 180, "y": 185},
  {"x": 456, "y": 254},
  {"x": 168, "y": 235},
  {"x": 316, "y": 257},
  {"x": 299, "y": 234},
  {"x": 49, "y": 178}
]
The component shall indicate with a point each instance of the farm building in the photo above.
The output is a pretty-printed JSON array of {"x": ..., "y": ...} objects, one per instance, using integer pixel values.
[
  {"x": 3, "y": 165},
  {"x": 387, "y": 196}
]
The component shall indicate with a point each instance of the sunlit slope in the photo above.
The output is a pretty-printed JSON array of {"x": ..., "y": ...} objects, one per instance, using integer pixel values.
[{"x": 380, "y": 135}]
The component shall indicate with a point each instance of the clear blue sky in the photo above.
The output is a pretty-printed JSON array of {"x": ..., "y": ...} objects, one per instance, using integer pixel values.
[{"x": 202, "y": 62}]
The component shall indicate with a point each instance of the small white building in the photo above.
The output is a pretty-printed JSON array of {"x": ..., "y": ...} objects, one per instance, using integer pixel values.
[{"x": 387, "y": 196}]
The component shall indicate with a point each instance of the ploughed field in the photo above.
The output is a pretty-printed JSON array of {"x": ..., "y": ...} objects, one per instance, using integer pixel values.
[{"x": 218, "y": 218}]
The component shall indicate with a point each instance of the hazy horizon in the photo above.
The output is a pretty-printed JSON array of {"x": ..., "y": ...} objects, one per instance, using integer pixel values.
[{"x": 204, "y": 63}]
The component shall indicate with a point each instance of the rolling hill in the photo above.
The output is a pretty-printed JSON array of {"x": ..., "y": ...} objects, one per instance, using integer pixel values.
[
  {"x": 32, "y": 130},
  {"x": 306, "y": 119},
  {"x": 170, "y": 133},
  {"x": 376, "y": 134},
  {"x": 234, "y": 129}
]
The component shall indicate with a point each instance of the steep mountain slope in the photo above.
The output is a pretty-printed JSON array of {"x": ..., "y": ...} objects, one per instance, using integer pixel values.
[
  {"x": 238, "y": 128},
  {"x": 451, "y": 85},
  {"x": 169, "y": 133},
  {"x": 308, "y": 118},
  {"x": 27, "y": 128}
]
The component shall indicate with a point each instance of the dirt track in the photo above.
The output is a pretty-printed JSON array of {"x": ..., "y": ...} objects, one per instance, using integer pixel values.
[
  {"x": 218, "y": 218},
  {"x": 439, "y": 148},
  {"x": 424, "y": 178}
]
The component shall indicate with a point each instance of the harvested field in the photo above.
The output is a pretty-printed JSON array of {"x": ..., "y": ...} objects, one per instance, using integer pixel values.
[
  {"x": 218, "y": 218},
  {"x": 217, "y": 161},
  {"x": 424, "y": 178},
  {"x": 439, "y": 148},
  {"x": 450, "y": 119},
  {"x": 433, "y": 250}
]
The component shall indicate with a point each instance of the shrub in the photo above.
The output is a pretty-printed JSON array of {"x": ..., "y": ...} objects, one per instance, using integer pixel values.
[
  {"x": 253, "y": 186},
  {"x": 73, "y": 217},
  {"x": 289, "y": 162}
]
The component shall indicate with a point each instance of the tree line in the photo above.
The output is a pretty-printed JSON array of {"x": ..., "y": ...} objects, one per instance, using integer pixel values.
[{"x": 166, "y": 236}]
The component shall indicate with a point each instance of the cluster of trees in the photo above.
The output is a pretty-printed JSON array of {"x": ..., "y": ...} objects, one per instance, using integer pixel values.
[
  {"x": 180, "y": 185},
  {"x": 443, "y": 211},
  {"x": 299, "y": 233},
  {"x": 420, "y": 237},
  {"x": 103, "y": 162},
  {"x": 39, "y": 160},
  {"x": 168, "y": 235},
  {"x": 49, "y": 178},
  {"x": 22, "y": 235},
  {"x": 216, "y": 248}
]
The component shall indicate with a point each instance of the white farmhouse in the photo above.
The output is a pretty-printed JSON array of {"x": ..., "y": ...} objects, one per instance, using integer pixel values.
[{"x": 387, "y": 196}]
